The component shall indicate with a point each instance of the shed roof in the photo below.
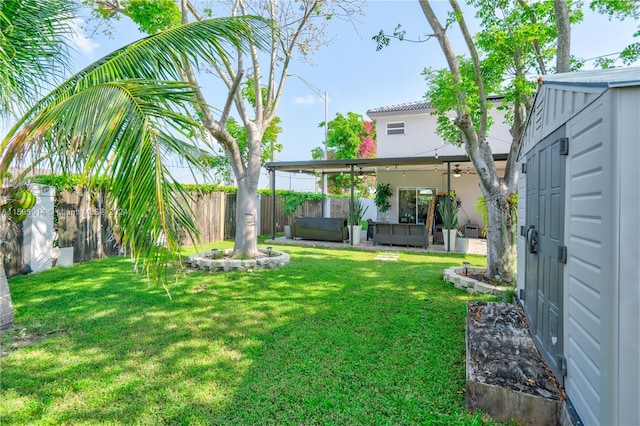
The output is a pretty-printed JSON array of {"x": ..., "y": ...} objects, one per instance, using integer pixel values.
[{"x": 616, "y": 77}]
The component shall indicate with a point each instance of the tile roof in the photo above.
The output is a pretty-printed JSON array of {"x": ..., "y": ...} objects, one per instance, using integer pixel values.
[{"x": 407, "y": 106}]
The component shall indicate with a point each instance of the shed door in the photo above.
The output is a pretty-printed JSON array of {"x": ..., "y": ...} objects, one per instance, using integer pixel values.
[{"x": 545, "y": 247}]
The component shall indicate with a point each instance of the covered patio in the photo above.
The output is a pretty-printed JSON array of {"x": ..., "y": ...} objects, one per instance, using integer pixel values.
[
  {"x": 443, "y": 166},
  {"x": 476, "y": 245}
]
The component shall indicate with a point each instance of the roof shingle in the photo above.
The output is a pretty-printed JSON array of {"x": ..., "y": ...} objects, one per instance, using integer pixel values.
[{"x": 407, "y": 106}]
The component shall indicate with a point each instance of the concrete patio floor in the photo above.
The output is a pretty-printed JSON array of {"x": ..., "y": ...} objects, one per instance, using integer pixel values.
[{"x": 476, "y": 245}]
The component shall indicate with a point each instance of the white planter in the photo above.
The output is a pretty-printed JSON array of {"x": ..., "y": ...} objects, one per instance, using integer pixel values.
[
  {"x": 354, "y": 232},
  {"x": 449, "y": 236},
  {"x": 463, "y": 245},
  {"x": 287, "y": 232}
]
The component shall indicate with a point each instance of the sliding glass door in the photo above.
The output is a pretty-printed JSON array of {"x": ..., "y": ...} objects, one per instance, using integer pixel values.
[{"x": 413, "y": 204}]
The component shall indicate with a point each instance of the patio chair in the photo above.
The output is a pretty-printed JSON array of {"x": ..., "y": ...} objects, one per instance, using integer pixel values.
[{"x": 370, "y": 226}]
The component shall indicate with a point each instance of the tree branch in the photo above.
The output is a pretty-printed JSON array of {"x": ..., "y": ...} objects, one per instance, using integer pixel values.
[
  {"x": 193, "y": 10},
  {"x": 447, "y": 49},
  {"x": 536, "y": 42},
  {"x": 482, "y": 132}
]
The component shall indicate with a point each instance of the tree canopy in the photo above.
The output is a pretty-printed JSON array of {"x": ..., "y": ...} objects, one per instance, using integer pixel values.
[
  {"x": 517, "y": 42},
  {"x": 348, "y": 136},
  {"x": 297, "y": 30}
]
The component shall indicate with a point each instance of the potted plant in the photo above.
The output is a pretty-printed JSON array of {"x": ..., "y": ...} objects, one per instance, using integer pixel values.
[
  {"x": 354, "y": 219},
  {"x": 381, "y": 200},
  {"x": 448, "y": 209},
  {"x": 292, "y": 202},
  {"x": 463, "y": 243}
]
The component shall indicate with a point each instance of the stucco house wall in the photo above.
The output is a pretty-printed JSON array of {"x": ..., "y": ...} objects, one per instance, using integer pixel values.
[{"x": 420, "y": 139}]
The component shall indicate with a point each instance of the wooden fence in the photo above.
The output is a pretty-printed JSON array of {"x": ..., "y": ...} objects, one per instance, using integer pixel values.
[{"x": 82, "y": 223}]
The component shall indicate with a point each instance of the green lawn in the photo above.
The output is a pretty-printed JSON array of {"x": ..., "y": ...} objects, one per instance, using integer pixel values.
[{"x": 335, "y": 337}]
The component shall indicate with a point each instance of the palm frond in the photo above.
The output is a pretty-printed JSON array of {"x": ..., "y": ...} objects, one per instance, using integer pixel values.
[
  {"x": 116, "y": 130},
  {"x": 162, "y": 56},
  {"x": 127, "y": 116},
  {"x": 33, "y": 49}
]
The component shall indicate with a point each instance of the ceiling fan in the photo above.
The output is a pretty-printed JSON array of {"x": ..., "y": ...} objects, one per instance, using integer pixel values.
[{"x": 457, "y": 171}]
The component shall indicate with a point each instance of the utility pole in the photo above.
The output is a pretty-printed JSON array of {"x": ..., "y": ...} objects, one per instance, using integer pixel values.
[{"x": 325, "y": 97}]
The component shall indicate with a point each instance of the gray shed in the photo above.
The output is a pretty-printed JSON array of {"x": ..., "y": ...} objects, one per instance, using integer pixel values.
[{"x": 579, "y": 238}]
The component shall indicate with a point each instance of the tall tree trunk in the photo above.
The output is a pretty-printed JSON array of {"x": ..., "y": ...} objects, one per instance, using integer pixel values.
[
  {"x": 246, "y": 221},
  {"x": 501, "y": 242},
  {"x": 246, "y": 243},
  {"x": 6, "y": 307},
  {"x": 563, "y": 55}
]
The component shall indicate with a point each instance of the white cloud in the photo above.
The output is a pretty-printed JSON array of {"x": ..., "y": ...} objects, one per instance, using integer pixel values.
[
  {"x": 305, "y": 100},
  {"x": 84, "y": 44}
]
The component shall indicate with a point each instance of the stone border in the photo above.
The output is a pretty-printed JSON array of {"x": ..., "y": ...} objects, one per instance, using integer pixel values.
[
  {"x": 205, "y": 261},
  {"x": 452, "y": 275}
]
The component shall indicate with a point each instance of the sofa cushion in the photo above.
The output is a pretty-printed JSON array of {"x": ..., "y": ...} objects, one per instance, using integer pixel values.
[
  {"x": 319, "y": 223},
  {"x": 321, "y": 228}
]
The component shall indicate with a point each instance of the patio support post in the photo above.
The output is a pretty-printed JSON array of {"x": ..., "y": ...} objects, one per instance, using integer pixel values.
[
  {"x": 324, "y": 180},
  {"x": 353, "y": 202},
  {"x": 448, "y": 203},
  {"x": 273, "y": 202}
]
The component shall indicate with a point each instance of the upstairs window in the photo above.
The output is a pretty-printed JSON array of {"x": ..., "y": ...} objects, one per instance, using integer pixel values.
[{"x": 395, "y": 128}]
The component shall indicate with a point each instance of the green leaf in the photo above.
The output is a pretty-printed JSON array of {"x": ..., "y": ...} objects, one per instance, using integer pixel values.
[{"x": 127, "y": 117}]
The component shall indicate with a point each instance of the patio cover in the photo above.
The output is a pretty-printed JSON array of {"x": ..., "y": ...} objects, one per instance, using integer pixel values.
[{"x": 360, "y": 166}]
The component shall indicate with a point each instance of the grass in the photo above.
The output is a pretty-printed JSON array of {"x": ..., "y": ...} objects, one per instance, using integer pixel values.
[{"x": 333, "y": 338}]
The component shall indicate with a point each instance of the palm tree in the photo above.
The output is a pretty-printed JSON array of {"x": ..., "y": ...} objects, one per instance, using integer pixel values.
[{"x": 124, "y": 117}]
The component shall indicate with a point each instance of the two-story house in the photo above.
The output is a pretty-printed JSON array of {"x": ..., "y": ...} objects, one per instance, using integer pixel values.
[
  {"x": 417, "y": 164},
  {"x": 408, "y": 130}
]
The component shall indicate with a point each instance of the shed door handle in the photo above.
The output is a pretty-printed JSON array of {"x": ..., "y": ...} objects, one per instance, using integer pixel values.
[{"x": 532, "y": 239}]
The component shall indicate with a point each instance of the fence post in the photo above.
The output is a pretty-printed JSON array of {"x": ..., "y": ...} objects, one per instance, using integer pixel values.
[{"x": 37, "y": 243}]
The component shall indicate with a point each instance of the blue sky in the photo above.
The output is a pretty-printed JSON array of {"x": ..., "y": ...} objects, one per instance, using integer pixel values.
[{"x": 356, "y": 76}]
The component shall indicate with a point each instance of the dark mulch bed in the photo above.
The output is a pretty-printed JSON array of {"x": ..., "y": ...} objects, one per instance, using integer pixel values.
[{"x": 501, "y": 352}]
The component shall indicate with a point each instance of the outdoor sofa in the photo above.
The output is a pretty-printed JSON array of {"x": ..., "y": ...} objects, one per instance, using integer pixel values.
[
  {"x": 320, "y": 228},
  {"x": 401, "y": 234}
]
